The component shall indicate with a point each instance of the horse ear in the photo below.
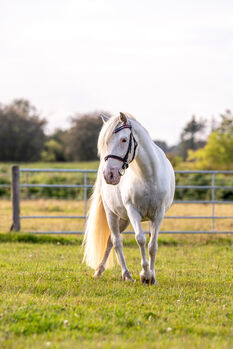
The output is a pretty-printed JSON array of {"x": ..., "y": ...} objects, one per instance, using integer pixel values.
[
  {"x": 123, "y": 118},
  {"x": 104, "y": 117}
]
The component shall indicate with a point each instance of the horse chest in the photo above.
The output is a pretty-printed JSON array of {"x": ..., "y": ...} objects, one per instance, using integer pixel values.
[
  {"x": 113, "y": 199},
  {"x": 144, "y": 199}
]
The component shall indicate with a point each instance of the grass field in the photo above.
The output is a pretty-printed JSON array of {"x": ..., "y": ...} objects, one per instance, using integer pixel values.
[
  {"x": 75, "y": 207},
  {"x": 78, "y": 178},
  {"x": 6, "y": 166},
  {"x": 48, "y": 178},
  {"x": 49, "y": 299}
]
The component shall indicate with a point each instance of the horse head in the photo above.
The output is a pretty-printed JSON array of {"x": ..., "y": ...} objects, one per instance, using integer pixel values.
[{"x": 120, "y": 149}]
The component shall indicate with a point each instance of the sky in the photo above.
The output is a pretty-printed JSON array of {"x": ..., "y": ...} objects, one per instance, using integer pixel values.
[{"x": 162, "y": 61}]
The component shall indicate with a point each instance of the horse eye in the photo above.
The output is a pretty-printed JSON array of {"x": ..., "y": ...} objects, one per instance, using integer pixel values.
[{"x": 123, "y": 140}]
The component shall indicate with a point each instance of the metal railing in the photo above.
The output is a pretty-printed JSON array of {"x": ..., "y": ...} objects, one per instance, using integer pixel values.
[{"x": 16, "y": 187}]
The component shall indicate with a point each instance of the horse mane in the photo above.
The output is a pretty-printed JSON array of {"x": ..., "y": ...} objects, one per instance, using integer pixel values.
[{"x": 107, "y": 131}]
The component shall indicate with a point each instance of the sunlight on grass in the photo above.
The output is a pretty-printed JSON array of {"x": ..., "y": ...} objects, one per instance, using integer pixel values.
[
  {"x": 49, "y": 296},
  {"x": 56, "y": 207}
]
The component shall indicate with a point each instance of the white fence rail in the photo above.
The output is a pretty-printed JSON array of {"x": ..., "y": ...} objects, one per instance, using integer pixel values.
[{"x": 16, "y": 187}]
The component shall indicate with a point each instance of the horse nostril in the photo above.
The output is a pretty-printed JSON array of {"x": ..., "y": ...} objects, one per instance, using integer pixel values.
[{"x": 111, "y": 175}]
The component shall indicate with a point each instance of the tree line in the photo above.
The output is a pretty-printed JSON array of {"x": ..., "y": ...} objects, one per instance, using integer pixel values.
[{"x": 23, "y": 138}]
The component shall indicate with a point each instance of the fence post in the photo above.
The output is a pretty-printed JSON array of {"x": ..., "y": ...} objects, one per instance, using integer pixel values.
[
  {"x": 27, "y": 190},
  {"x": 85, "y": 197},
  {"x": 15, "y": 197},
  {"x": 213, "y": 199}
]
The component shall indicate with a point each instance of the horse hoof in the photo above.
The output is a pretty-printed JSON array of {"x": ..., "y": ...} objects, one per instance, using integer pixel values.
[
  {"x": 153, "y": 281},
  {"x": 144, "y": 280},
  {"x": 98, "y": 273},
  {"x": 148, "y": 278},
  {"x": 127, "y": 277}
]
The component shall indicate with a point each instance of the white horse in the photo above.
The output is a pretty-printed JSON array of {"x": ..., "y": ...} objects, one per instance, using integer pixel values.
[{"x": 135, "y": 182}]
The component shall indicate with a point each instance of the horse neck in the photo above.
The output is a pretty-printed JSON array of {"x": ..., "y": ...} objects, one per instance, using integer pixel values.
[{"x": 146, "y": 161}]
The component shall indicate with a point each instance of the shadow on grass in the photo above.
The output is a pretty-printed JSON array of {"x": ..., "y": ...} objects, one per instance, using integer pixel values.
[
  {"x": 128, "y": 241},
  {"x": 39, "y": 239}
]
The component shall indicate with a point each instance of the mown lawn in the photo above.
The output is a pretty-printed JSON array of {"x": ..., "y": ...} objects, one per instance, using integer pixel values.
[{"x": 49, "y": 299}]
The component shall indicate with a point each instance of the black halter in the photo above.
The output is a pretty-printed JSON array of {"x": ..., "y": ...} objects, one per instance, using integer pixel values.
[{"x": 125, "y": 158}]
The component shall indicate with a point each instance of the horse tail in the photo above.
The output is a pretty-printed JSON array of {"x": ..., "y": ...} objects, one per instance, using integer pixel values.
[{"x": 97, "y": 231}]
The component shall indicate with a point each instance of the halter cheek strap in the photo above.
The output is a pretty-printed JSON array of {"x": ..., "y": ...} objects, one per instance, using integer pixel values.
[{"x": 125, "y": 158}]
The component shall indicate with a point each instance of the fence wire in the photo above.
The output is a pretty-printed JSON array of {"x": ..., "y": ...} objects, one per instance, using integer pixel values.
[{"x": 85, "y": 186}]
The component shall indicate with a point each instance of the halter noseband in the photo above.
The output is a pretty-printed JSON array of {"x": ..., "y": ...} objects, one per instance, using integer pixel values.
[{"x": 125, "y": 158}]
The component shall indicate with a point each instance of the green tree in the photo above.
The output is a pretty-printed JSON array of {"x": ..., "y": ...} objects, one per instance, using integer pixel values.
[
  {"x": 81, "y": 138},
  {"x": 218, "y": 152},
  {"x": 53, "y": 151},
  {"x": 21, "y": 132},
  {"x": 54, "y": 148},
  {"x": 190, "y": 137}
]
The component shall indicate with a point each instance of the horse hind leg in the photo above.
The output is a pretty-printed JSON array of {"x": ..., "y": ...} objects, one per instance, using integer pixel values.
[{"x": 101, "y": 268}]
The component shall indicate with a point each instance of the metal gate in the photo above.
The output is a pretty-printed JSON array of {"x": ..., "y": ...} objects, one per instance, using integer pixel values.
[{"x": 16, "y": 187}]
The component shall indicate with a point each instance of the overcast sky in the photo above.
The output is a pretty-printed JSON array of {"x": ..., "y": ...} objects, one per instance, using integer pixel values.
[{"x": 162, "y": 61}]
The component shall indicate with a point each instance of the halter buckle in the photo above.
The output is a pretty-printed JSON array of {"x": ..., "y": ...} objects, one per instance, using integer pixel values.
[
  {"x": 123, "y": 168},
  {"x": 121, "y": 171}
]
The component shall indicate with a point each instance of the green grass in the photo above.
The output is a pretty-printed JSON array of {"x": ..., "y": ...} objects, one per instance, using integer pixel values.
[
  {"x": 49, "y": 299},
  {"x": 50, "y": 207},
  {"x": 6, "y": 166},
  {"x": 78, "y": 178},
  {"x": 49, "y": 178}
]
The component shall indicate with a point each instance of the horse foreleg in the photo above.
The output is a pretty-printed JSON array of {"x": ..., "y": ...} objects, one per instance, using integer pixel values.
[
  {"x": 113, "y": 222},
  {"x": 135, "y": 219},
  {"x": 153, "y": 243}
]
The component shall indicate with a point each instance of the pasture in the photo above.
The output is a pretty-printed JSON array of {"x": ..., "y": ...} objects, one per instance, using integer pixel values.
[
  {"x": 49, "y": 298},
  {"x": 74, "y": 207}
]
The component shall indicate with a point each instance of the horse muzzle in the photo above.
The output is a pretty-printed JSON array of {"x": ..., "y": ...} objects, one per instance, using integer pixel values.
[{"x": 112, "y": 176}]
